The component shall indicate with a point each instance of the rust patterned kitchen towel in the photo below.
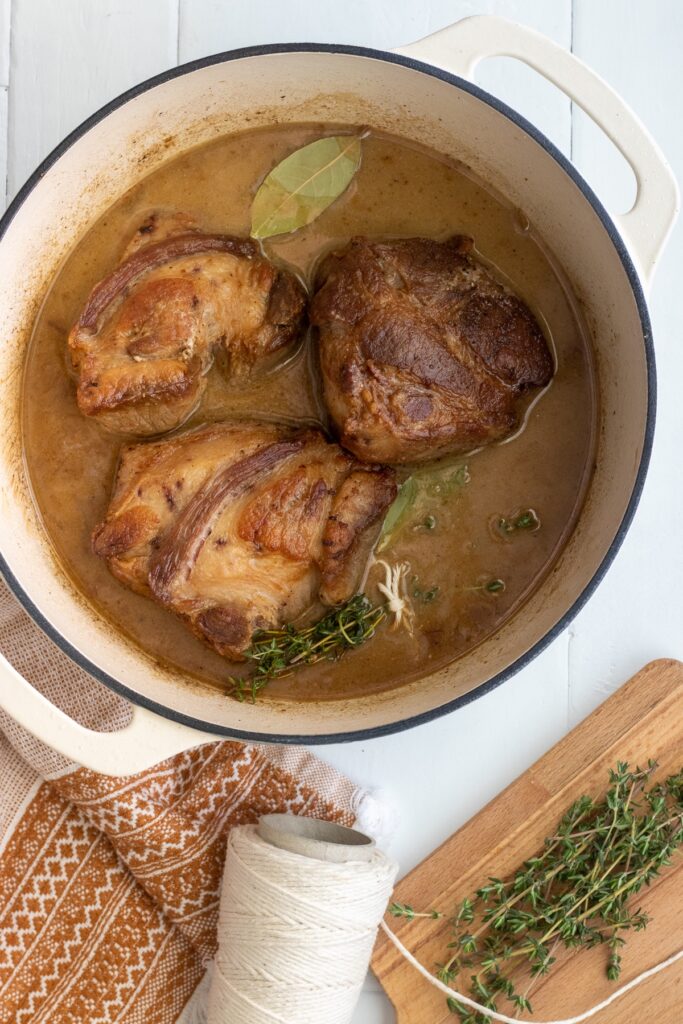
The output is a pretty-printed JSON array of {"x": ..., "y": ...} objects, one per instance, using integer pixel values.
[{"x": 109, "y": 886}]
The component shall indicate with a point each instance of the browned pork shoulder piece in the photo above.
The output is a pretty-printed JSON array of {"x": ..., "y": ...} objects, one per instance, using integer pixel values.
[
  {"x": 149, "y": 331},
  {"x": 242, "y": 526},
  {"x": 423, "y": 352}
]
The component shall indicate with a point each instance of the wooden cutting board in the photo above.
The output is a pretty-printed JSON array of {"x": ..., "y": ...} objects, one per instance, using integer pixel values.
[{"x": 644, "y": 719}]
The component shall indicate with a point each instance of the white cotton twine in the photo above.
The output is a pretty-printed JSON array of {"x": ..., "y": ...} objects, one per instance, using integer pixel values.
[
  {"x": 493, "y": 1015},
  {"x": 296, "y": 935}
]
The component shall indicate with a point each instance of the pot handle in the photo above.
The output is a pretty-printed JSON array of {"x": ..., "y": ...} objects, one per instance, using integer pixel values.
[
  {"x": 460, "y": 47},
  {"x": 147, "y": 739}
]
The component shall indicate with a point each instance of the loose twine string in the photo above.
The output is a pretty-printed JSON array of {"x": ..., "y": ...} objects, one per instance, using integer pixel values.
[
  {"x": 494, "y": 1015},
  {"x": 296, "y": 935}
]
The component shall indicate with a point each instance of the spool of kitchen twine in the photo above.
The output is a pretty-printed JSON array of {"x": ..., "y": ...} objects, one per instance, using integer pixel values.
[{"x": 300, "y": 907}]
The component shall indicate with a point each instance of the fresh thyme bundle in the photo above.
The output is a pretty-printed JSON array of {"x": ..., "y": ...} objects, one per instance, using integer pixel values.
[
  {"x": 274, "y": 652},
  {"x": 574, "y": 893}
]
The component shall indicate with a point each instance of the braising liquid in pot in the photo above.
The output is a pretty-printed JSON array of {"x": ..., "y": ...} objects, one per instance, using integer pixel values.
[{"x": 451, "y": 536}]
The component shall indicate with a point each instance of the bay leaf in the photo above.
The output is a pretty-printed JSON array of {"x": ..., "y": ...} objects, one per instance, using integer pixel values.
[
  {"x": 304, "y": 184},
  {"x": 440, "y": 482},
  {"x": 398, "y": 510}
]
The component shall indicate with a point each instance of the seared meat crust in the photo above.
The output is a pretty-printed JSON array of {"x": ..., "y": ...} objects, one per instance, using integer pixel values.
[
  {"x": 242, "y": 526},
  {"x": 423, "y": 352},
  {"x": 150, "y": 330}
]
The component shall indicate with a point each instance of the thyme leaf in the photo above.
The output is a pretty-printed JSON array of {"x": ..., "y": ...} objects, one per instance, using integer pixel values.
[
  {"x": 494, "y": 586},
  {"x": 526, "y": 521},
  {"x": 426, "y": 594},
  {"x": 491, "y": 586}
]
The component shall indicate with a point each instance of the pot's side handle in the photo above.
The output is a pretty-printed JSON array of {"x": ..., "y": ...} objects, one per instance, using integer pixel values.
[
  {"x": 146, "y": 740},
  {"x": 460, "y": 47}
]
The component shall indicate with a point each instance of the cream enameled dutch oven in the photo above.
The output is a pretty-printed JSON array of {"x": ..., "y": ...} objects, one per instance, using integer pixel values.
[{"x": 423, "y": 91}]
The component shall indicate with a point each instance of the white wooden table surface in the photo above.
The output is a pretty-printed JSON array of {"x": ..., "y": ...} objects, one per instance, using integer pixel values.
[{"x": 61, "y": 59}]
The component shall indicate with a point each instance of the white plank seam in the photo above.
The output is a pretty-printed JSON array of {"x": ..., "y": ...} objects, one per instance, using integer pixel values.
[{"x": 4, "y": 115}]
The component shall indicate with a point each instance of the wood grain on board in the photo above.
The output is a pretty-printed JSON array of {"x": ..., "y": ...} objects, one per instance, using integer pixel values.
[{"x": 644, "y": 719}]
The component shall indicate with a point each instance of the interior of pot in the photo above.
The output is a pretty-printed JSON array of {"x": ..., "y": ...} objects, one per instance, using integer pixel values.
[{"x": 159, "y": 123}]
